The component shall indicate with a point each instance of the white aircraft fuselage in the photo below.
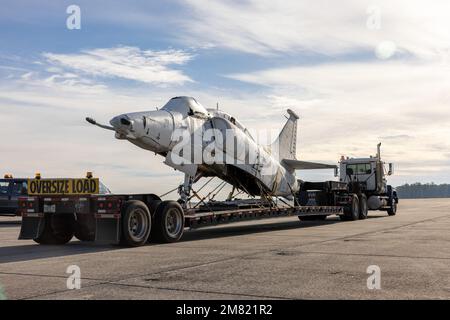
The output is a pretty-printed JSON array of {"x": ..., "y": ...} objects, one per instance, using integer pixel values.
[{"x": 207, "y": 142}]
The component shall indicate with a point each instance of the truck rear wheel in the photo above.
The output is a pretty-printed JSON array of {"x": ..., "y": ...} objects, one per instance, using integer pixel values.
[
  {"x": 58, "y": 229},
  {"x": 363, "y": 209},
  {"x": 136, "y": 223},
  {"x": 169, "y": 222},
  {"x": 351, "y": 211},
  {"x": 392, "y": 210}
]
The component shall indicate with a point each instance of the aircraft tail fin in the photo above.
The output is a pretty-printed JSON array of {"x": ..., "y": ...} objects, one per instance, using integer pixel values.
[{"x": 286, "y": 143}]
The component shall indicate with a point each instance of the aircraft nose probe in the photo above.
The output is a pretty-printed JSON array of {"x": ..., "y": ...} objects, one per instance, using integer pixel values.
[{"x": 92, "y": 121}]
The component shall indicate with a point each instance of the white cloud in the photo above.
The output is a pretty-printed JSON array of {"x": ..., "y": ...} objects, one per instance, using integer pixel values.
[
  {"x": 274, "y": 27},
  {"x": 346, "y": 108},
  {"x": 131, "y": 63}
]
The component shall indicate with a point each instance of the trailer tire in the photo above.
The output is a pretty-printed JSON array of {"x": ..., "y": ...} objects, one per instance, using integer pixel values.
[
  {"x": 152, "y": 207},
  {"x": 169, "y": 222},
  {"x": 136, "y": 223},
  {"x": 392, "y": 210},
  {"x": 83, "y": 234},
  {"x": 58, "y": 229},
  {"x": 351, "y": 212},
  {"x": 363, "y": 209}
]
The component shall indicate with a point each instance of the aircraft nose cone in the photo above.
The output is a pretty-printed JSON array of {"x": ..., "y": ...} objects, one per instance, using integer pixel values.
[
  {"x": 115, "y": 122},
  {"x": 125, "y": 121},
  {"x": 121, "y": 122}
]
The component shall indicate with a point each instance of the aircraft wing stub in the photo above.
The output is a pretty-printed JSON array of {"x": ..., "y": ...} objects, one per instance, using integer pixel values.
[{"x": 306, "y": 165}]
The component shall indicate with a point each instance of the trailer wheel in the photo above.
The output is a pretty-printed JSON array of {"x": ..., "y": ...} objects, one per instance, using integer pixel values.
[
  {"x": 351, "y": 212},
  {"x": 152, "y": 207},
  {"x": 363, "y": 209},
  {"x": 169, "y": 222},
  {"x": 136, "y": 223},
  {"x": 83, "y": 234},
  {"x": 58, "y": 229},
  {"x": 392, "y": 210}
]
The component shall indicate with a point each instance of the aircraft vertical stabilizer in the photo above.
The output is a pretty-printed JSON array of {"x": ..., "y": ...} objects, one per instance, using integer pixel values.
[{"x": 285, "y": 146}]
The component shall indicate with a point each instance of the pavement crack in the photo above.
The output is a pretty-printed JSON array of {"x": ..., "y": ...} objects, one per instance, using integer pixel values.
[{"x": 200, "y": 291}]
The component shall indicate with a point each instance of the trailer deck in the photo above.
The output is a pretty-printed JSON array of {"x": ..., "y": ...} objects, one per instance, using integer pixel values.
[
  {"x": 135, "y": 219},
  {"x": 198, "y": 219}
]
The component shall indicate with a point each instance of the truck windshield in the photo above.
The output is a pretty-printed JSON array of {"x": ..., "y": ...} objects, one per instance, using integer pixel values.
[
  {"x": 360, "y": 168},
  {"x": 19, "y": 188}
]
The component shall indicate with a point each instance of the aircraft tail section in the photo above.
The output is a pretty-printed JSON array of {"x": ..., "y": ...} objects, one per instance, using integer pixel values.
[{"x": 285, "y": 146}]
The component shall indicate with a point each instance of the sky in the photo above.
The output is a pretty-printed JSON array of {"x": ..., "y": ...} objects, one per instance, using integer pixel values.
[{"x": 357, "y": 72}]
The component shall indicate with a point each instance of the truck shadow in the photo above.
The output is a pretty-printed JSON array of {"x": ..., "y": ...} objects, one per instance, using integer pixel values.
[
  {"x": 35, "y": 251},
  {"x": 9, "y": 223},
  {"x": 231, "y": 230}
]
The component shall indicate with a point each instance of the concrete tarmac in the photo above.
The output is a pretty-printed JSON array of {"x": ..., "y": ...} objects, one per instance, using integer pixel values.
[{"x": 280, "y": 258}]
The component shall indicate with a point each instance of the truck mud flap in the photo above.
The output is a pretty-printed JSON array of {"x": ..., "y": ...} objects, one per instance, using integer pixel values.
[
  {"x": 32, "y": 227},
  {"x": 107, "y": 229}
]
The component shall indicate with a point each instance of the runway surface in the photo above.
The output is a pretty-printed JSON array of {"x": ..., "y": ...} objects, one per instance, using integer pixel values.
[{"x": 279, "y": 258}]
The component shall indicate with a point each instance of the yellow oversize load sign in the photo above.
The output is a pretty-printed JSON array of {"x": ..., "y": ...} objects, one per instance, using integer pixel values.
[{"x": 63, "y": 186}]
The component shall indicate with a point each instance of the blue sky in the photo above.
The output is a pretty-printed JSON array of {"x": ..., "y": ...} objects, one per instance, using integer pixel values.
[{"x": 357, "y": 73}]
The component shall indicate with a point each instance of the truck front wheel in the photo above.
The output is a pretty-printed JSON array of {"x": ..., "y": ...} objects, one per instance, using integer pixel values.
[
  {"x": 136, "y": 223},
  {"x": 392, "y": 210},
  {"x": 169, "y": 222},
  {"x": 351, "y": 211}
]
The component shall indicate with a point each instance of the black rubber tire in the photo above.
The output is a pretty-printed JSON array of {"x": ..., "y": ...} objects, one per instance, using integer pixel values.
[
  {"x": 363, "y": 208},
  {"x": 83, "y": 234},
  {"x": 392, "y": 210},
  {"x": 152, "y": 207},
  {"x": 351, "y": 212},
  {"x": 312, "y": 218},
  {"x": 58, "y": 229},
  {"x": 135, "y": 212},
  {"x": 160, "y": 231}
]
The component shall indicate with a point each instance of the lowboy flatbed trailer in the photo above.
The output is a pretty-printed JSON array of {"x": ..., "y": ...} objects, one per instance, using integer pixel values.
[{"x": 135, "y": 219}]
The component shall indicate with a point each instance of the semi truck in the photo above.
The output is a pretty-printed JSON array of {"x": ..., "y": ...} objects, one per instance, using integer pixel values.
[
  {"x": 136, "y": 219},
  {"x": 367, "y": 177}
]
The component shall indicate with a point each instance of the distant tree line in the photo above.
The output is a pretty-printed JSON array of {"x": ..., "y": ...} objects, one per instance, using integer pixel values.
[{"x": 427, "y": 190}]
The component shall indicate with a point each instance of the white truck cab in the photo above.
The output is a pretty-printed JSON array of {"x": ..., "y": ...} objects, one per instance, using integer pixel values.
[{"x": 370, "y": 175}]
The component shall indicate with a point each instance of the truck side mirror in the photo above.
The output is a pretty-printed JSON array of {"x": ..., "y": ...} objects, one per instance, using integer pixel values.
[
  {"x": 391, "y": 169},
  {"x": 349, "y": 171},
  {"x": 336, "y": 172}
]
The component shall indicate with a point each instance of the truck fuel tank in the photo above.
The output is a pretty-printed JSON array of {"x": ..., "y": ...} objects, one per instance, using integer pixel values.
[{"x": 376, "y": 202}]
